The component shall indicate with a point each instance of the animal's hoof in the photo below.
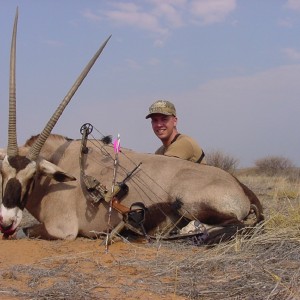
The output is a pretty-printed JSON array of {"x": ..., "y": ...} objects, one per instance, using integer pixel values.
[{"x": 193, "y": 226}]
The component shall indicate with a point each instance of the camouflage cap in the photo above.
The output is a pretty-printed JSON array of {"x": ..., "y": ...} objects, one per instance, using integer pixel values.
[{"x": 162, "y": 107}]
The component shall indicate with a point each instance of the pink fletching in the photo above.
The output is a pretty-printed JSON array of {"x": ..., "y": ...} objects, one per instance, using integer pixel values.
[{"x": 117, "y": 145}]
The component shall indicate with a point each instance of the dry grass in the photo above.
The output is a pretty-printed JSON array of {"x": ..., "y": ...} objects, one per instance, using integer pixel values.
[
  {"x": 265, "y": 265},
  {"x": 219, "y": 159}
]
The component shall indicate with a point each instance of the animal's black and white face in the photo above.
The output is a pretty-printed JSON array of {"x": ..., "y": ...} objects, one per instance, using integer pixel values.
[
  {"x": 18, "y": 175},
  {"x": 17, "y": 178}
]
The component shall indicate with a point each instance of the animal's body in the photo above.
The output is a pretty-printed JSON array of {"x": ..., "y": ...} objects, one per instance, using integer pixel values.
[
  {"x": 41, "y": 176},
  {"x": 169, "y": 188}
]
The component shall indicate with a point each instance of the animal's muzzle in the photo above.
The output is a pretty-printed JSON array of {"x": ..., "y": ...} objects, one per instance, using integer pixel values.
[{"x": 7, "y": 230}]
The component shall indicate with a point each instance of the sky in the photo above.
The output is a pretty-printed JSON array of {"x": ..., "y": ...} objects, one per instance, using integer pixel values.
[{"x": 231, "y": 67}]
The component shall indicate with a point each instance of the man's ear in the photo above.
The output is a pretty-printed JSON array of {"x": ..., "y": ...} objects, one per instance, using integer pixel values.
[
  {"x": 175, "y": 121},
  {"x": 51, "y": 170}
]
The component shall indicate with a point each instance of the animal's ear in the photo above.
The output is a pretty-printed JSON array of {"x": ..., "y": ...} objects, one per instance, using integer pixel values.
[
  {"x": 51, "y": 170},
  {"x": 2, "y": 153}
]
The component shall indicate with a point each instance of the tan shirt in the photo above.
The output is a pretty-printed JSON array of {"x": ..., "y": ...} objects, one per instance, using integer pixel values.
[{"x": 183, "y": 147}]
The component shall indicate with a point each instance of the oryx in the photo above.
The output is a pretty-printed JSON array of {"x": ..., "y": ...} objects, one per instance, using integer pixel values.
[{"x": 47, "y": 177}]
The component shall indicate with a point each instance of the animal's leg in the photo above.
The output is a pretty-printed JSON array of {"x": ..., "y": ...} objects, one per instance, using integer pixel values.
[
  {"x": 216, "y": 225},
  {"x": 207, "y": 214},
  {"x": 254, "y": 217},
  {"x": 41, "y": 232},
  {"x": 37, "y": 231},
  {"x": 217, "y": 234}
]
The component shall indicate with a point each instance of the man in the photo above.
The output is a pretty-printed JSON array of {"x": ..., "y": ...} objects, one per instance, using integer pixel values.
[{"x": 164, "y": 122}]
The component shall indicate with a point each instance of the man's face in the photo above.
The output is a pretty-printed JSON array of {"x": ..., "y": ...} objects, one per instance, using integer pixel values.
[{"x": 163, "y": 126}]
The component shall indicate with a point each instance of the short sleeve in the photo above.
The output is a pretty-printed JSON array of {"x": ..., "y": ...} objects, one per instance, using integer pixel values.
[{"x": 181, "y": 148}]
